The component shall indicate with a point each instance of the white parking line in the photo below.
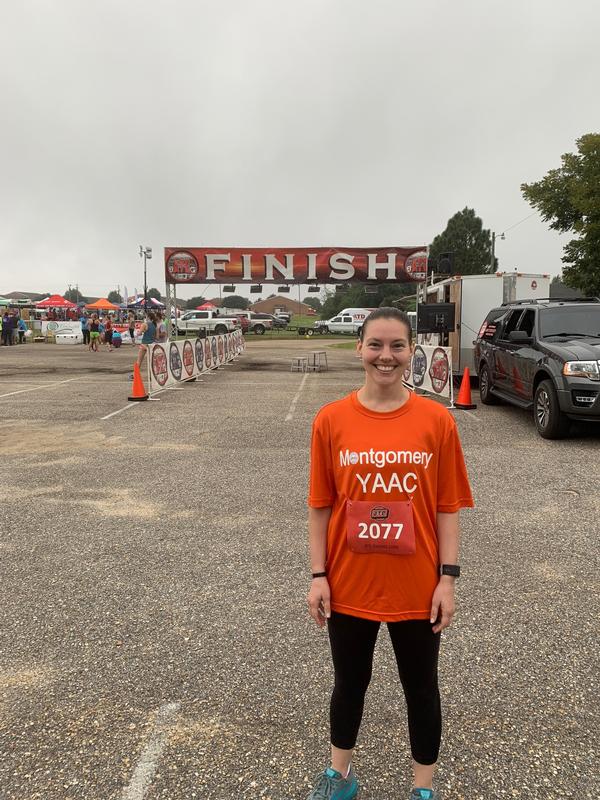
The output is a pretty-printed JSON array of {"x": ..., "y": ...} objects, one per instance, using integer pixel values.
[
  {"x": 129, "y": 405},
  {"x": 40, "y": 386},
  {"x": 133, "y": 403},
  {"x": 146, "y": 766},
  {"x": 290, "y": 413}
]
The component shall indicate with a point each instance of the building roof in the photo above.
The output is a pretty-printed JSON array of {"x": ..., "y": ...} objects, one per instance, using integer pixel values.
[
  {"x": 24, "y": 296},
  {"x": 282, "y": 302}
]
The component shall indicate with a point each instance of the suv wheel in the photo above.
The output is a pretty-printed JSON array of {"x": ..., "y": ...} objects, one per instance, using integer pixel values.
[
  {"x": 219, "y": 329},
  {"x": 485, "y": 386},
  {"x": 259, "y": 329},
  {"x": 550, "y": 422}
]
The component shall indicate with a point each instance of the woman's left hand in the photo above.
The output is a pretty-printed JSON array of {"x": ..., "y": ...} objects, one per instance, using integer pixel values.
[{"x": 442, "y": 604}]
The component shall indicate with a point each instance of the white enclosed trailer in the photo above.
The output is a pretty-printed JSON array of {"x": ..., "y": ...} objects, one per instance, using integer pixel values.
[{"x": 473, "y": 297}]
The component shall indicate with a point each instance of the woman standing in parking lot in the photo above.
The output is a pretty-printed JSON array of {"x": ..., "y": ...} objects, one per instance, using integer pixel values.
[
  {"x": 94, "y": 333},
  {"x": 131, "y": 325},
  {"x": 387, "y": 480},
  {"x": 148, "y": 331}
]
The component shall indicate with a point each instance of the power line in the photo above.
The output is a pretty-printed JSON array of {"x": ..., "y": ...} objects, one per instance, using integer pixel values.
[{"x": 520, "y": 221}]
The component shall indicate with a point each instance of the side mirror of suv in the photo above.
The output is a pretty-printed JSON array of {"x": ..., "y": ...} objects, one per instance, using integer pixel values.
[{"x": 520, "y": 337}]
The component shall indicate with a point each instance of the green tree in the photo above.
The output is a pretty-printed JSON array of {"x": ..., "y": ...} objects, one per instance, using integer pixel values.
[
  {"x": 73, "y": 295},
  {"x": 154, "y": 293},
  {"x": 569, "y": 198},
  {"x": 194, "y": 302},
  {"x": 114, "y": 297},
  {"x": 235, "y": 301},
  {"x": 470, "y": 242},
  {"x": 357, "y": 297},
  {"x": 313, "y": 302}
]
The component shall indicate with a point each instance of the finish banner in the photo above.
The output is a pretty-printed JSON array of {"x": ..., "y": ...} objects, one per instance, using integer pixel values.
[
  {"x": 294, "y": 264},
  {"x": 431, "y": 370},
  {"x": 170, "y": 363}
]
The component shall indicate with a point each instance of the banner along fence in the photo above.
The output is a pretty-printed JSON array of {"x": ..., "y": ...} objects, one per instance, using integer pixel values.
[
  {"x": 170, "y": 363},
  {"x": 431, "y": 370}
]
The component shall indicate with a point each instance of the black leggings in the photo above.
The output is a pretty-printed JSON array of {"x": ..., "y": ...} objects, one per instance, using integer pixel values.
[{"x": 416, "y": 648}]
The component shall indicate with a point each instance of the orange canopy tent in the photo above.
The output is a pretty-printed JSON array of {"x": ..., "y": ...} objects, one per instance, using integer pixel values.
[{"x": 103, "y": 305}]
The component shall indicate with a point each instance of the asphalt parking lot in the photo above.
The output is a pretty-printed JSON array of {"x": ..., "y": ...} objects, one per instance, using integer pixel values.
[{"x": 155, "y": 641}]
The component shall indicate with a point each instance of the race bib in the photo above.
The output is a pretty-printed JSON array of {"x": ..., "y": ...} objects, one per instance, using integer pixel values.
[{"x": 380, "y": 527}]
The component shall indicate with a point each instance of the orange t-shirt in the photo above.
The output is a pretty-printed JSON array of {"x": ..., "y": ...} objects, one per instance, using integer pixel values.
[{"x": 413, "y": 453}]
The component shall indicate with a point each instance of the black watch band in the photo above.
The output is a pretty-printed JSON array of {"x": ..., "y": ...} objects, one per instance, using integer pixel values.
[
  {"x": 319, "y": 574},
  {"x": 450, "y": 569}
]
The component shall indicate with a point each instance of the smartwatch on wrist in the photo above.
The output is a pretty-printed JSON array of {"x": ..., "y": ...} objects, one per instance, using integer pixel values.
[{"x": 450, "y": 569}]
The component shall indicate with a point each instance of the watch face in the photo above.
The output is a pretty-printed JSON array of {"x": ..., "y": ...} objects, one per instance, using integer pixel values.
[{"x": 451, "y": 569}]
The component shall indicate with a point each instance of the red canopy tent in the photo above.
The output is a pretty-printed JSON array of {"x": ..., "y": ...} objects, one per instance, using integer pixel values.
[
  {"x": 103, "y": 305},
  {"x": 55, "y": 301},
  {"x": 208, "y": 306}
]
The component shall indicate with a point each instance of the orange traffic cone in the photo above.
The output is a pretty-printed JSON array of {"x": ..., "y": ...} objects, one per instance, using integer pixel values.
[
  {"x": 464, "y": 394},
  {"x": 139, "y": 391}
]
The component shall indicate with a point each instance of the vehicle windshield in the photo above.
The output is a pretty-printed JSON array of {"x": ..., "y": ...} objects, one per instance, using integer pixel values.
[{"x": 570, "y": 321}]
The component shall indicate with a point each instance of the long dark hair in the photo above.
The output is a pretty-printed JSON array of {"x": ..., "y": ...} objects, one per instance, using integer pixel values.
[{"x": 387, "y": 312}]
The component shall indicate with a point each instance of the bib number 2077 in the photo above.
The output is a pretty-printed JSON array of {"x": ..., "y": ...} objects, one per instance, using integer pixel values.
[
  {"x": 378, "y": 530},
  {"x": 380, "y": 527}
]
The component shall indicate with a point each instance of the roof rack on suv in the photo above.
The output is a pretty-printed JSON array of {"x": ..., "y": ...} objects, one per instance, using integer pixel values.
[{"x": 535, "y": 300}]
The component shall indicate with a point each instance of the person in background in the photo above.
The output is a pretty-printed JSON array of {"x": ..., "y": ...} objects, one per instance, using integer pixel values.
[
  {"x": 161, "y": 328},
  {"x": 148, "y": 336},
  {"x": 94, "y": 333},
  {"x": 6, "y": 329},
  {"x": 21, "y": 327},
  {"x": 108, "y": 333},
  {"x": 1, "y": 329},
  {"x": 14, "y": 322},
  {"x": 131, "y": 323},
  {"x": 85, "y": 327}
]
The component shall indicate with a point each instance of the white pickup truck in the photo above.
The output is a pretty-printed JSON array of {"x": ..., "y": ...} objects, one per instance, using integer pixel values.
[
  {"x": 343, "y": 323},
  {"x": 193, "y": 321}
]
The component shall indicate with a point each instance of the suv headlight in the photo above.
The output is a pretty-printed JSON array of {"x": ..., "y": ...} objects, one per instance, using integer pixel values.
[{"x": 582, "y": 369}]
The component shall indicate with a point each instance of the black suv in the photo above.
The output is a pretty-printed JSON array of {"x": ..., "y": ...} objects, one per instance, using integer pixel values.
[{"x": 545, "y": 355}]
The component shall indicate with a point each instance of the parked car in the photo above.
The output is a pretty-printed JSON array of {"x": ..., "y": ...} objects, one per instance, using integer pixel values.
[
  {"x": 209, "y": 321},
  {"x": 284, "y": 316},
  {"x": 278, "y": 322},
  {"x": 348, "y": 321},
  {"x": 544, "y": 355},
  {"x": 255, "y": 324}
]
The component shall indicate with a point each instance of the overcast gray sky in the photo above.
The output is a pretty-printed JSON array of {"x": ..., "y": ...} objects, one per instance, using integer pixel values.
[{"x": 271, "y": 122}]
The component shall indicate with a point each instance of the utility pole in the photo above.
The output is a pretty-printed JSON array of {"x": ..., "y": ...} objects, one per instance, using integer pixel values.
[{"x": 493, "y": 259}]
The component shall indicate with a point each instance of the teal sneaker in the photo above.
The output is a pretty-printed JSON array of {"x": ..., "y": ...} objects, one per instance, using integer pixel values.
[
  {"x": 331, "y": 786},
  {"x": 424, "y": 794}
]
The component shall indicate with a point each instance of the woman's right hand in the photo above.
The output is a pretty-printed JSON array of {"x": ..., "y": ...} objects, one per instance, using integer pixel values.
[{"x": 319, "y": 600}]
